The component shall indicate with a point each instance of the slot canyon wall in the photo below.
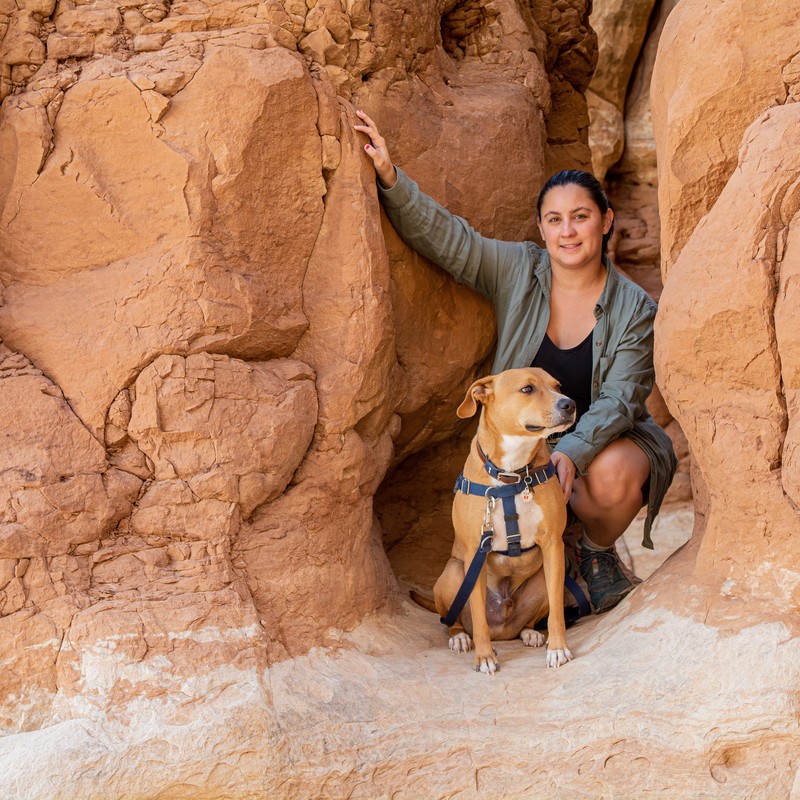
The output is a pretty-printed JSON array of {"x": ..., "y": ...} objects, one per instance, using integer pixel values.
[{"x": 216, "y": 354}]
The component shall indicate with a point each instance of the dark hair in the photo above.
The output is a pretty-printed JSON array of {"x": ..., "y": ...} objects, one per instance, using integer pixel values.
[{"x": 576, "y": 177}]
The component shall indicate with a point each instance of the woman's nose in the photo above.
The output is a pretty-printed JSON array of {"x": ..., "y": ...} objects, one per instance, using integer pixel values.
[{"x": 567, "y": 228}]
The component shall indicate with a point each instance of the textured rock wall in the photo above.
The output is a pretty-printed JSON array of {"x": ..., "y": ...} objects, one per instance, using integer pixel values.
[
  {"x": 621, "y": 134},
  {"x": 730, "y": 260},
  {"x": 214, "y": 352},
  {"x": 621, "y": 27},
  {"x": 213, "y": 348}
]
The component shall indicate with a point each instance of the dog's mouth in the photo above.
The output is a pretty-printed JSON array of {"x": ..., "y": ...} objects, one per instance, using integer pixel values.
[{"x": 557, "y": 428}]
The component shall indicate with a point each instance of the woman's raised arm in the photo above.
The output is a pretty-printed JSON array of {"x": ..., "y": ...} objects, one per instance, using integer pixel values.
[{"x": 489, "y": 266}]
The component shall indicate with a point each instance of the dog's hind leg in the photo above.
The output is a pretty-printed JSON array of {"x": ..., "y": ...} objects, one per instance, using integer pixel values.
[{"x": 444, "y": 592}]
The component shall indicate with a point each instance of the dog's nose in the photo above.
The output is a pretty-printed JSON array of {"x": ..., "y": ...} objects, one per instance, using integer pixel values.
[{"x": 566, "y": 405}]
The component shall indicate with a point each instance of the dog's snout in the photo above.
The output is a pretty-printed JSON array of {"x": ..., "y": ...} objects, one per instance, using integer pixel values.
[{"x": 566, "y": 405}]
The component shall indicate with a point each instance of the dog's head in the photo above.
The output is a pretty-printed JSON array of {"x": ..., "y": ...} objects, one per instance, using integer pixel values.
[{"x": 521, "y": 401}]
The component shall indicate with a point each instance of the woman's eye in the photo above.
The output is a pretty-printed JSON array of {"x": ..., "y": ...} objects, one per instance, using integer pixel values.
[{"x": 527, "y": 389}]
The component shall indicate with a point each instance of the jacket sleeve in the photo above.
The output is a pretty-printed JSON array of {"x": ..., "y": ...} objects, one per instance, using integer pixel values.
[
  {"x": 486, "y": 265},
  {"x": 628, "y": 381}
]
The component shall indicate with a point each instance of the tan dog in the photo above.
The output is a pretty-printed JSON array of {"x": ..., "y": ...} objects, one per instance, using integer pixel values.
[{"x": 521, "y": 408}]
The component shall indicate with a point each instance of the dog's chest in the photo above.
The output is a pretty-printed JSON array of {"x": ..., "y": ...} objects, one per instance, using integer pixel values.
[{"x": 531, "y": 517}]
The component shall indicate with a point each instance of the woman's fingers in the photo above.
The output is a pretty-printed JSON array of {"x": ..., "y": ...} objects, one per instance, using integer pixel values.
[
  {"x": 567, "y": 487},
  {"x": 371, "y": 129},
  {"x": 368, "y": 121},
  {"x": 377, "y": 150},
  {"x": 565, "y": 470},
  {"x": 566, "y": 480}
]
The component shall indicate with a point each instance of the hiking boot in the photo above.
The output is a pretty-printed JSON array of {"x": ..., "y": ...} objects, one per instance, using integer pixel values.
[{"x": 605, "y": 580}]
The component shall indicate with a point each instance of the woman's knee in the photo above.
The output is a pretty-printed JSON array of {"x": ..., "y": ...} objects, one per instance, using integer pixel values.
[{"x": 616, "y": 477}]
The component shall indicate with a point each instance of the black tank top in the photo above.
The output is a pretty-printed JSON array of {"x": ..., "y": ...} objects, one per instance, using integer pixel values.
[{"x": 572, "y": 368}]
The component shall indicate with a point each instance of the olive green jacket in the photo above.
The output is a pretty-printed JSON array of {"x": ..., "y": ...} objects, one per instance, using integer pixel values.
[{"x": 515, "y": 277}]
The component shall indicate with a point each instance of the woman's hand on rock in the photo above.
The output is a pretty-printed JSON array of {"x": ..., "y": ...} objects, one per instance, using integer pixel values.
[
  {"x": 377, "y": 151},
  {"x": 565, "y": 470}
]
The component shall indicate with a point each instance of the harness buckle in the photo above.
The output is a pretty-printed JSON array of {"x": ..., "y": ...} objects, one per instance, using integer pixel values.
[
  {"x": 487, "y": 514},
  {"x": 514, "y": 476}
]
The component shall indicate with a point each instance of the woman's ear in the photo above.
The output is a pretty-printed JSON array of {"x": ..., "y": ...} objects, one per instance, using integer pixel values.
[
  {"x": 477, "y": 393},
  {"x": 608, "y": 222}
]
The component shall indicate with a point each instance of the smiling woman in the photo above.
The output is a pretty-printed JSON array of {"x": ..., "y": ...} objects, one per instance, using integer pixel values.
[{"x": 566, "y": 309}]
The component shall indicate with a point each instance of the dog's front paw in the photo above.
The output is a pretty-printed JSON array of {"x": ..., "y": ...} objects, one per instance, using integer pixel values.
[
  {"x": 555, "y": 658},
  {"x": 532, "y": 638},
  {"x": 487, "y": 664},
  {"x": 460, "y": 643}
]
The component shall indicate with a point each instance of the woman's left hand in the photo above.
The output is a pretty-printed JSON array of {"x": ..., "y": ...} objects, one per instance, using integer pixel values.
[{"x": 565, "y": 470}]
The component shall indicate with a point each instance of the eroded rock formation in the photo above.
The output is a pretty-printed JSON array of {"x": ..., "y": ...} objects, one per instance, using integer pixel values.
[
  {"x": 730, "y": 259},
  {"x": 215, "y": 352},
  {"x": 211, "y": 356},
  {"x": 621, "y": 28}
]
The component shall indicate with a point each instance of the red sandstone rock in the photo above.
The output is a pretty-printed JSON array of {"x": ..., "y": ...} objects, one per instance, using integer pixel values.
[
  {"x": 237, "y": 352},
  {"x": 209, "y": 213},
  {"x": 219, "y": 267},
  {"x": 734, "y": 315},
  {"x": 621, "y": 27},
  {"x": 729, "y": 87}
]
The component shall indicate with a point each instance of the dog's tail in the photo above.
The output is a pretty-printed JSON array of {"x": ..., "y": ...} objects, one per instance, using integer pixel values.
[{"x": 420, "y": 599}]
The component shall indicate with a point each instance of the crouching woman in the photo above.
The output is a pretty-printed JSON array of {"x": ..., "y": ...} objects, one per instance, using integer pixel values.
[{"x": 564, "y": 308}]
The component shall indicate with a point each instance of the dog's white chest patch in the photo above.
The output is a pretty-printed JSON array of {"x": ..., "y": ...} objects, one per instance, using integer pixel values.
[
  {"x": 514, "y": 451},
  {"x": 530, "y": 517}
]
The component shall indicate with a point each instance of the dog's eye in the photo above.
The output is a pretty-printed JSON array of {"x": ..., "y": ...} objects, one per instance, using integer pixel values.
[{"x": 527, "y": 389}]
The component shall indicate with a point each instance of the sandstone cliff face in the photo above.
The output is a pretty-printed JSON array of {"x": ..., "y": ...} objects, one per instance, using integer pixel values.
[
  {"x": 621, "y": 27},
  {"x": 730, "y": 260},
  {"x": 213, "y": 348},
  {"x": 215, "y": 353}
]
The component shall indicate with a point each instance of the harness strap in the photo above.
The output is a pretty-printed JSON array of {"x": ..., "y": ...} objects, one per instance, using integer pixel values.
[
  {"x": 470, "y": 579},
  {"x": 571, "y": 613},
  {"x": 534, "y": 478},
  {"x": 584, "y": 609}
]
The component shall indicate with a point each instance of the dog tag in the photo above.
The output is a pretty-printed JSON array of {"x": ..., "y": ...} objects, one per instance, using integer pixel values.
[{"x": 527, "y": 494}]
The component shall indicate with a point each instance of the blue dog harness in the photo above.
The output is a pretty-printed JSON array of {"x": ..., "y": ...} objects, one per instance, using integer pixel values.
[{"x": 524, "y": 481}]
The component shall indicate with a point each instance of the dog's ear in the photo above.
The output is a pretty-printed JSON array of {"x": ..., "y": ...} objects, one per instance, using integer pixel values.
[{"x": 477, "y": 393}]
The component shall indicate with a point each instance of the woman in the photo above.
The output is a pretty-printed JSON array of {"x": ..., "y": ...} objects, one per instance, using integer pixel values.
[{"x": 565, "y": 309}]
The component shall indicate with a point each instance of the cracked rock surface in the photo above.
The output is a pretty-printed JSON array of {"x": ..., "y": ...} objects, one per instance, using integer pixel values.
[{"x": 216, "y": 354}]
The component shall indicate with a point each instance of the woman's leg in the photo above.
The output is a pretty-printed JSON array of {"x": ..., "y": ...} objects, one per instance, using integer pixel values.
[
  {"x": 609, "y": 496},
  {"x": 606, "y": 500}
]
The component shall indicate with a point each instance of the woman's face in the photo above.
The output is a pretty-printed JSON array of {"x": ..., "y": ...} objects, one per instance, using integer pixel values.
[{"x": 572, "y": 227}]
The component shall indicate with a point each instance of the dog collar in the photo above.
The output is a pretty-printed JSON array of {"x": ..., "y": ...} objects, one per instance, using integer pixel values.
[{"x": 517, "y": 475}]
